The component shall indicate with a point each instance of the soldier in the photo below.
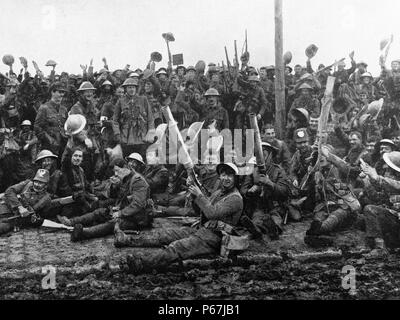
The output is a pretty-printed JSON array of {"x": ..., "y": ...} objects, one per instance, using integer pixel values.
[
  {"x": 342, "y": 75},
  {"x": 336, "y": 207},
  {"x": 355, "y": 78},
  {"x": 366, "y": 90},
  {"x": 306, "y": 101},
  {"x": 135, "y": 118},
  {"x": 213, "y": 110},
  {"x": 265, "y": 195},
  {"x": 163, "y": 79},
  {"x": 220, "y": 215},
  {"x": 385, "y": 146},
  {"x": 131, "y": 210},
  {"x": 25, "y": 201},
  {"x": 382, "y": 218},
  {"x": 28, "y": 151},
  {"x": 50, "y": 120},
  {"x": 282, "y": 155},
  {"x": 186, "y": 105},
  {"x": 301, "y": 158},
  {"x": 297, "y": 119}
]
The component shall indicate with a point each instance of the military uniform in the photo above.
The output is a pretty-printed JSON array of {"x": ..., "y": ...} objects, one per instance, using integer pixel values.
[
  {"x": 135, "y": 119},
  {"x": 266, "y": 203},
  {"x": 131, "y": 199},
  {"x": 221, "y": 213},
  {"x": 22, "y": 194},
  {"x": 49, "y": 126}
]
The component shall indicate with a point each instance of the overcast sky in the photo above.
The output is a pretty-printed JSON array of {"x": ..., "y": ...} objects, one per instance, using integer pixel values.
[{"x": 127, "y": 31}]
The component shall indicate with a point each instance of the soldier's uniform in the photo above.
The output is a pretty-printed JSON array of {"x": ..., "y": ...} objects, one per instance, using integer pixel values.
[
  {"x": 135, "y": 119},
  {"x": 265, "y": 205},
  {"x": 49, "y": 126},
  {"x": 220, "y": 213},
  {"x": 382, "y": 219},
  {"x": 23, "y": 194},
  {"x": 132, "y": 202}
]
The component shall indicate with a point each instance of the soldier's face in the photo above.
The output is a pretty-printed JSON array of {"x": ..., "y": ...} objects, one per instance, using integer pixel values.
[
  {"x": 212, "y": 102},
  {"x": 88, "y": 94},
  {"x": 362, "y": 68},
  {"x": 297, "y": 70},
  {"x": 354, "y": 141},
  {"x": 191, "y": 74},
  {"x": 162, "y": 77},
  {"x": 314, "y": 124},
  {"x": 302, "y": 146},
  {"x": 77, "y": 158},
  {"x": 131, "y": 90},
  {"x": 370, "y": 147},
  {"x": 263, "y": 73},
  {"x": 181, "y": 72},
  {"x": 39, "y": 186},
  {"x": 384, "y": 149},
  {"x": 395, "y": 66},
  {"x": 47, "y": 163},
  {"x": 134, "y": 165},
  {"x": 215, "y": 78},
  {"x": 148, "y": 87},
  {"x": 269, "y": 134},
  {"x": 56, "y": 96},
  {"x": 227, "y": 179},
  {"x": 119, "y": 92},
  {"x": 12, "y": 90},
  {"x": 366, "y": 80},
  {"x": 305, "y": 92},
  {"x": 107, "y": 87}
]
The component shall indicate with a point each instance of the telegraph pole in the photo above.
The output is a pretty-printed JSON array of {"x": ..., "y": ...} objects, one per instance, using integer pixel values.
[{"x": 280, "y": 107}]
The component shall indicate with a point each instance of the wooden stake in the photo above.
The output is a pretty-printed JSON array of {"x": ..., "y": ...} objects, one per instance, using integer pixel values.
[{"x": 280, "y": 108}]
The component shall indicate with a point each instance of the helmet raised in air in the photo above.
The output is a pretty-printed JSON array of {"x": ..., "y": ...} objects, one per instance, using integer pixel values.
[{"x": 74, "y": 124}]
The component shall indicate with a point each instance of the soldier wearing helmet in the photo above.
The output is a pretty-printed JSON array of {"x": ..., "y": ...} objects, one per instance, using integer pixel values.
[
  {"x": 366, "y": 91},
  {"x": 135, "y": 118},
  {"x": 220, "y": 212},
  {"x": 213, "y": 111},
  {"x": 306, "y": 100},
  {"x": 28, "y": 143},
  {"x": 382, "y": 218},
  {"x": 26, "y": 201},
  {"x": 50, "y": 119}
]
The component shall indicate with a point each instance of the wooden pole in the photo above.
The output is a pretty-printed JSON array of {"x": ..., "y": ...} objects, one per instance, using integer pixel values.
[{"x": 280, "y": 108}]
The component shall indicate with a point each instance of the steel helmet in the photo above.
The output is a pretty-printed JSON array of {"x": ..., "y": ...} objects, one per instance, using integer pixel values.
[
  {"x": 191, "y": 68},
  {"x": 229, "y": 165},
  {"x": 105, "y": 83},
  {"x": 26, "y": 123},
  {"x": 86, "y": 85},
  {"x": 135, "y": 156},
  {"x": 305, "y": 86},
  {"x": 45, "y": 154},
  {"x": 270, "y": 68},
  {"x": 392, "y": 159},
  {"x": 130, "y": 82},
  {"x": 287, "y": 57},
  {"x": 200, "y": 66},
  {"x": 311, "y": 51},
  {"x": 375, "y": 107},
  {"x": 301, "y": 112},
  {"x": 8, "y": 59},
  {"x": 362, "y": 63},
  {"x": 51, "y": 63},
  {"x": 363, "y": 119},
  {"x": 212, "y": 93},
  {"x": 387, "y": 142},
  {"x": 161, "y": 72},
  {"x": 269, "y": 146},
  {"x": 254, "y": 78},
  {"x": 133, "y": 75},
  {"x": 104, "y": 70},
  {"x": 74, "y": 124},
  {"x": 366, "y": 74},
  {"x": 42, "y": 175}
]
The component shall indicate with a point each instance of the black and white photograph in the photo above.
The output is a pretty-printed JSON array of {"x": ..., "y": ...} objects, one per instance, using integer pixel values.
[{"x": 198, "y": 151}]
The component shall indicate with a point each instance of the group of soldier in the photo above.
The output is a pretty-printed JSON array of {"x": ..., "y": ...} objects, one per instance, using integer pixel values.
[{"x": 75, "y": 149}]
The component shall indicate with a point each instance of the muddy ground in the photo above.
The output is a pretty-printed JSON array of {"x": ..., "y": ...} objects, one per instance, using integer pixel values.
[{"x": 289, "y": 274}]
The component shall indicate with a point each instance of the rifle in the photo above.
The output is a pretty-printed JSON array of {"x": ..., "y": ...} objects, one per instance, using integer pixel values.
[
  {"x": 257, "y": 144},
  {"x": 186, "y": 161},
  {"x": 228, "y": 63},
  {"x": 322, "y": 126},
  {"x": 328, "y": 67},
  {"x": 236, "y": 60}
]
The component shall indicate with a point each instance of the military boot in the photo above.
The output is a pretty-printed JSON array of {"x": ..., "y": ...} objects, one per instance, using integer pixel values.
[{"x": 77, "y": 233}]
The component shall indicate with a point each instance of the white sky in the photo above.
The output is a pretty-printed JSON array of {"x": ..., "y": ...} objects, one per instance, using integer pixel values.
[{"x": 127, "y": 31}]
